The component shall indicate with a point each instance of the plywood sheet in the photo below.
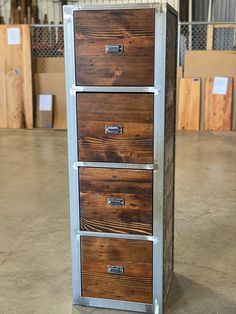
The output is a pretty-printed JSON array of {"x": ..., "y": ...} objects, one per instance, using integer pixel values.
[
  {"x": 189, "y": 104},
  {"x": 16, "y": 108},
  {"x": 217, "y": 107},
  {"x": 205, "y": 64},
  {"x": 54, "y": 84}
]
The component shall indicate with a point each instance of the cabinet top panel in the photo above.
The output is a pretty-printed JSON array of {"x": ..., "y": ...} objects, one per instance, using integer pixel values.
[{"x": 154, "y": 5}]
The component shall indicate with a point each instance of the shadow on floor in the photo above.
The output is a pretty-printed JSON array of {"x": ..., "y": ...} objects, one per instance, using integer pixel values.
[{"x": 186, "y": 296}]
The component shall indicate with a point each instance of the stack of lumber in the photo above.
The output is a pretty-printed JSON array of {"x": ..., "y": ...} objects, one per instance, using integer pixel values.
[{"x": 24, "y": 12}]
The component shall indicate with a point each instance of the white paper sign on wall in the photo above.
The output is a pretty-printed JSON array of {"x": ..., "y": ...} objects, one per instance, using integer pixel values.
[
  {"x": 220, "y": 85},
  {"x": 13, "y": 36},
  {"x": 45, "y": 102}
]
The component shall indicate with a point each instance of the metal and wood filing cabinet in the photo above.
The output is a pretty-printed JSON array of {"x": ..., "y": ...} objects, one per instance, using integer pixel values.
[{"x": 121, "y": 90}]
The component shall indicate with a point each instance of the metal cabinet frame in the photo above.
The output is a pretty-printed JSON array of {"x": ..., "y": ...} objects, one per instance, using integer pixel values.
[{"x": 158, "y": 166}]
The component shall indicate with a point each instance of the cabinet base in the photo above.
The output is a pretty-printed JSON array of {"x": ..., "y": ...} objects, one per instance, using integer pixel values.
[{"x": 116, "y": 305}]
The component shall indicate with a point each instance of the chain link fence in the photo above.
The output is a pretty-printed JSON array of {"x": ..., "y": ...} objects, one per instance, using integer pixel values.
[
  {"x": 206, "y": 36},
  {"x": 47, "y": 43}
]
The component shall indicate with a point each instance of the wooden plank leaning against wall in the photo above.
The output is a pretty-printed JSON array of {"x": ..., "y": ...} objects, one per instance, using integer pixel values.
[
  {"x": 16, "y": 107},
  {"x": 218, "y": 107},
  {"x": 189, "y": 104}
]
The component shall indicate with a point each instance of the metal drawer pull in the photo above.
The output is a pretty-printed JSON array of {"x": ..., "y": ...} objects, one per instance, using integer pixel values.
[
  {"x": 114, "y": 49},
  {"x": 116, "y": 202},
  {"x": 117, "y": 270},
  {"x": 113, "y": 129}
]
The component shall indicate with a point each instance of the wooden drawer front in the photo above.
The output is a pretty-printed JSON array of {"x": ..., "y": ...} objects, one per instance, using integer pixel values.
[
  {"x": 134, "y": 187},
  {"x": 132, "y": 112},
  {"x": 132, "y": 29},
  {"x": 132, "y": 256}
]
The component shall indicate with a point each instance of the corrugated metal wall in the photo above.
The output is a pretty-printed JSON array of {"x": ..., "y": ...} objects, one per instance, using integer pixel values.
[
  {"x": 5, "y": 9},
  {"x": 200, "y": 10},
  {"x": 224, "y": 10}
]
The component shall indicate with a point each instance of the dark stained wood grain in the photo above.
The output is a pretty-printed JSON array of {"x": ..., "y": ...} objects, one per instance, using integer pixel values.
[
  {"x": 169, "y": 162},
  {"x": 135, "y": 284},
  {"x": 134, "y": 186},
  {"x": 168, "y": 262},
  {"x": 134, "y": 112},
  {"x": 134, "y": 29},
  {"x": 169, "y": 152}
]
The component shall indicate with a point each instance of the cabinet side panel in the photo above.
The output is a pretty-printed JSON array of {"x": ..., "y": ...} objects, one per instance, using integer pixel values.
[{"x": 170, "y": 116}]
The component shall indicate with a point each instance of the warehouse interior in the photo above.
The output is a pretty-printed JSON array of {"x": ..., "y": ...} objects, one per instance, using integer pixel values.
[{"x": 35, "y": 244}]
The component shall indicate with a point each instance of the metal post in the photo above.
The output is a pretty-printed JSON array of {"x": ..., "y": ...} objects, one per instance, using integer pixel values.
[
  {"x": 209, "y": 11},
  {"x": 72, "y": 151},
  {"x": 158, "y": 176},
  {"x": 178, "y": 44},
  {"x": 190, "y": 25}
]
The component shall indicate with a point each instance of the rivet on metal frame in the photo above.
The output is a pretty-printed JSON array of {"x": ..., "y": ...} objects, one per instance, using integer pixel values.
[
  {"x": 159, "y": 89},
  {"x": 75, "y": 166},
  {"x": 76, "y": 231},
  {"x": 155, "y": 241},
  {"x": 68, "y": 18},
  {"x": 72, "y": 92}
]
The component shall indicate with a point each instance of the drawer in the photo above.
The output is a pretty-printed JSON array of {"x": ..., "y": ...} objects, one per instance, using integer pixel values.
[
  {"x": 116, "y": 200},
  {"x": 117, "y": 269},
  {"x": 115, "y": 127},
  {"x": 114, "y": 47}
]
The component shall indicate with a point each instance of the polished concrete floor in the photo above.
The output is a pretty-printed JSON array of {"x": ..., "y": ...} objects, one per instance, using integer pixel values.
[{"x": 35, "y": 270}]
